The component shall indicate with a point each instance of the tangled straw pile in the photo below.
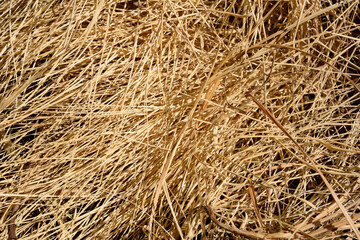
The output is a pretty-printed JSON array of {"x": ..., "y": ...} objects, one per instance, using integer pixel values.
[{"x": 176, "y": 119}]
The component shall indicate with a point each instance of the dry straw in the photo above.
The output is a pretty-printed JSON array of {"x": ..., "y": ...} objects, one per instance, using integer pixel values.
[{"x": 176, "y": 119}]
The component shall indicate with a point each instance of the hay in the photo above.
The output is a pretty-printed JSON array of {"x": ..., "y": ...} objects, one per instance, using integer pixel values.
[{"x": 179, "y": 119}]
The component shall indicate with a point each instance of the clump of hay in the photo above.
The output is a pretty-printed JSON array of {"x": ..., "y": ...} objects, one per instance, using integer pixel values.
[{"x": 179, "y": 119}]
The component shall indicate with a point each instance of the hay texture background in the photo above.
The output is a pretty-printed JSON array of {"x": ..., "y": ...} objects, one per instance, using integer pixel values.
[{"x": 177, "y": 119}]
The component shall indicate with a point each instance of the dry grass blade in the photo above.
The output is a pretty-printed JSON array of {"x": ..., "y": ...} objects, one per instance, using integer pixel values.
[
  {"x": 326, "y": 230},
  {"x": 256, "y": 235},
  {"x": 12, "y": 226},
  {"x": 255, "y": 204},
  {"x": 172, "y": 210},
  {"x": 331, "y": 189},
  {"x": 121, "y": 119}
]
